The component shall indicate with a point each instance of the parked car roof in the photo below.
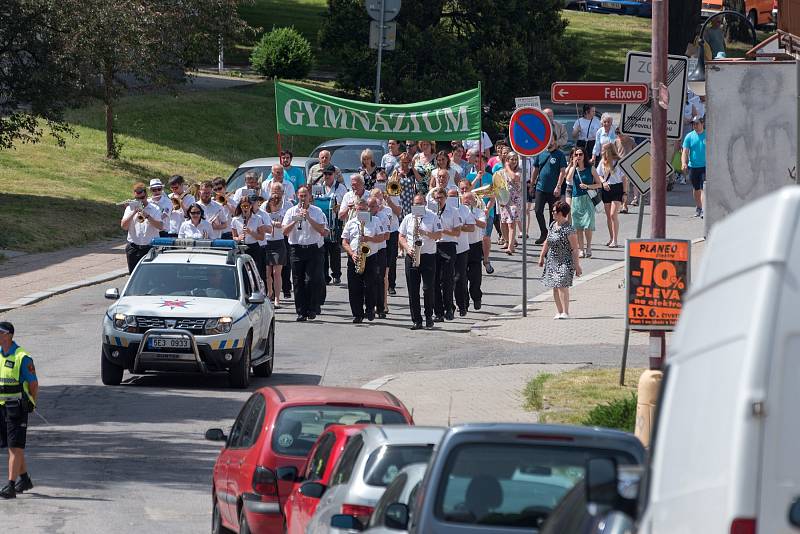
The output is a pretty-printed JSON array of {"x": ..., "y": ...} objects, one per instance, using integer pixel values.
[
  {"x": 297, "y": 161},
  {"x": 331, "y": 395}
]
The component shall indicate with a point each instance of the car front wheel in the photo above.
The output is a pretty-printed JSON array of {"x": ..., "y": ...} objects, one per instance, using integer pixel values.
[
  {"x": 110, "y": 374},
  {"x": 239, "y": 374}
]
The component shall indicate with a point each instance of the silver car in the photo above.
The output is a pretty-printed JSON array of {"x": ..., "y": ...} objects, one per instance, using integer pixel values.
[
  {"x": 371, "y": 461},
  {"x": 346, "y": 153},
  {"x": 263, "y": 167},
  {"x": 386, "y": 519}
]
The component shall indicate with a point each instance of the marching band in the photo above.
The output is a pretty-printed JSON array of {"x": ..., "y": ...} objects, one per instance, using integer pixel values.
[{"x": 440, "y": 233}]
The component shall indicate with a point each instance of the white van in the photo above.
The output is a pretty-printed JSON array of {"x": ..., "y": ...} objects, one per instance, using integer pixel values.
[{"x": 726, "y": 450}]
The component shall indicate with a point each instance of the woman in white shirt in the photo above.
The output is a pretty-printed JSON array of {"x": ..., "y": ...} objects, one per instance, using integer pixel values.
[
  {"x": 585, "y": 129},
  {"x": 249, "y": 228},
  {"x": 196, "y": 226},
  {"x": 614, "y": 192},
  {"x": 275, "y": 251},
  {"x": 605, "y": 134}
]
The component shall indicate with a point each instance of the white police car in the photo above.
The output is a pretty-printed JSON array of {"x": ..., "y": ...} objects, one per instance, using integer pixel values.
[{"x": 190, "y": 305}]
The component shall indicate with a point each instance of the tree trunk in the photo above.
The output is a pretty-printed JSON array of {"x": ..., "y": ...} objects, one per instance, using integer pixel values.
[
  {"x": 108, "y": 100},
  {"x": 684, "y": 18}
]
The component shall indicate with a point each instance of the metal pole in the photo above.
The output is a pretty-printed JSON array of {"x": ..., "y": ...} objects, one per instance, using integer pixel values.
[
  {"x": 220, "y": 57},
  {"x": 640, "y": 216},
  {"x": 382, "y": 24},
  {"x": 658, "y": 191},
  {"x": 524, "y": 237},
  {"x": 624, "y": 357}
]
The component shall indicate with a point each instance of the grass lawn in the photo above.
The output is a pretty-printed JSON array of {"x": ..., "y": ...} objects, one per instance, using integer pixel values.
[
  {"x": 568, "y": 397},
  {"x": 56, "y": 197}
]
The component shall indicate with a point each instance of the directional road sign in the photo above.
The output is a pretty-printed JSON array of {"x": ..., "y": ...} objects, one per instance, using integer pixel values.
[
  {"x": 599, "y": 92},
  {"x": 636, "y": 118},
  {"x": 529, "y": 131},
  {"x": 390, "y": 9},
  {"x": 636, "y": 165}
]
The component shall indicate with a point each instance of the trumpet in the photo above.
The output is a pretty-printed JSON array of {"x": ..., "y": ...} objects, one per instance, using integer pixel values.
[{"x": 222, "y": 198}]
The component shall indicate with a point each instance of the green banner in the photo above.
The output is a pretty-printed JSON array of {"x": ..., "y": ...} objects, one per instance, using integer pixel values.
[{"x": 301, "y": 111}]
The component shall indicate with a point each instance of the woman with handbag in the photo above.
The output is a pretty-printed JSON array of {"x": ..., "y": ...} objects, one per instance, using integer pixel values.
[{"x": 585, "y": 183}]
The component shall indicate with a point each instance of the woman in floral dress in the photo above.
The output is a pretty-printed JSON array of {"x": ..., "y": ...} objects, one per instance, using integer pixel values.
[
  {"x": 511, "y": 212},
  {"x": 559, "y": 258}
]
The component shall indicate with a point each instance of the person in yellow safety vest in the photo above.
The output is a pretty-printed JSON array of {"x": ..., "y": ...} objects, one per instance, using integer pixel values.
[{"x": 18, "y": 391}]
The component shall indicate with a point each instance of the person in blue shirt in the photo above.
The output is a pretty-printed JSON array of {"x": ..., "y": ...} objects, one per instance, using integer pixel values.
[
  {"x": 19, "y": 389},
  {"x": 295, "y": 175},
  {"x": 693, "y": 160},
  {"x": 548, "y": 175}
]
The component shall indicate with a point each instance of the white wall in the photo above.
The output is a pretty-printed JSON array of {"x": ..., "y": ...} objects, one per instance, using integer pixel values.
[{"x": 751, "y": 120}]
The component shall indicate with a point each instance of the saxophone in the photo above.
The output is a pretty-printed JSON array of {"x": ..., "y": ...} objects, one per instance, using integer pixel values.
[
  {"x": 363, "y": 251},
  {"x": 417, "y": 257}
]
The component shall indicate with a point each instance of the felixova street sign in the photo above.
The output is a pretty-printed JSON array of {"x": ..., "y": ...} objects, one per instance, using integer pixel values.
[{"x": 599, "y": 93}]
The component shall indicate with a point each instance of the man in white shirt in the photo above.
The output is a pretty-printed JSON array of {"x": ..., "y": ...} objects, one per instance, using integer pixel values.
[
  {"x": 350, "y": 200},
  {"x": 475, "y": 258},
  {"x": 277, "y": 176},
  {"x": 142, "y": 221},
  {"x": 445, "y": 256},
  {"x": 441, "y": 179},
  {"x": 225, "y": 201},
  {"x": 250, "y": 184},
  {"x": 162, "y": 202},
  {"x": 426, "y": 228},
  {"x": 381, "y": 262},
  {"x": 485, "y": 144},
  {"x": 181, "y": 198},
  {"x": 214, "y": 213},
  {"x": 462, "y": 255},
  {"x": 361, "y": 286},
  {"x": 389, "y": 160},
  {"x": 334, "y": 193},
  {"x": 306, "y": 227}
]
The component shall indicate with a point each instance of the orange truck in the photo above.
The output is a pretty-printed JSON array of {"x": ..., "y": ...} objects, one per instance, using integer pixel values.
[{"x": 757, "y": 11}]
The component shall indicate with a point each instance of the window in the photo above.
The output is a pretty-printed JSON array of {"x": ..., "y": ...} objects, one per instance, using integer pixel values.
[
  {"x": 255, "y": 280},
  {"x": 237, "y": 178},
  {"x": 298, "y": 427},
  {"x": 385, "y": 463},
  {"x": 510, "y": 485},
  {"x": 248, "y": 283},
  {"x": 253, "y": 422},
  {"x": 390, "y": 496},
  {"x": 348, "y": 157},
  {"x": 180, "y": 279},
  {"x": 348, "y": 461},
  {"x": 318, "y": 462},
  {"x": 235, "y": 437}
]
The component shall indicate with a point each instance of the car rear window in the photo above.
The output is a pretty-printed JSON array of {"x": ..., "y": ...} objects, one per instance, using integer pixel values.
[
  {"x": 172, "y": 279},
  {"x": 511, "y": 485},
  {"x": 348, "y": 157},
  {"x": 385, "y": 463},
  {"x": 236, "y": 179},
  {"x": 298, "y": 427}
]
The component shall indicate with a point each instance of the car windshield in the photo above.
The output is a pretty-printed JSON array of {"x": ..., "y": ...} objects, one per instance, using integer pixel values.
[
  {"x": 171, "y": 279},
  {"x": 348, "y": 157},
  {"x": 511, "y": 485},
  {"x": 298, "y": 427},
  {"x": 385, "y": 463},
  {"x": 236, "y": 179}
]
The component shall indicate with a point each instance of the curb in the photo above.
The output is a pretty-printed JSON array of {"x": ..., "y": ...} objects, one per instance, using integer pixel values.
[
  {"x": 379, "y": 382},
  {"x": 42, "y": 295},
  {"x": 477, "y": 329}
]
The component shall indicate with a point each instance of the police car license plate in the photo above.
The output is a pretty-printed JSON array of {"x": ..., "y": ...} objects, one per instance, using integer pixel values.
[
  {"x": 612, "y": 5},
  {"x": 170, "y": 343}
]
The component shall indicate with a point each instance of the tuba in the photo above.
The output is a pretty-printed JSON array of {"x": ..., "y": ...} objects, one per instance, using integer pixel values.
[
  {"x": 393, "y": 187},
  {"x": 498, "y": 188},
  {"x": 363, "y": 251}
]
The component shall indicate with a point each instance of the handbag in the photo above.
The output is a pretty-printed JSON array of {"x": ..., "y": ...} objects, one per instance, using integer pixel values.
[{"x": 594, "y": 195}]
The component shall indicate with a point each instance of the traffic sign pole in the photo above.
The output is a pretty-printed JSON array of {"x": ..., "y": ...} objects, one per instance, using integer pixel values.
[
  {"x": 382, "y": 24},
  {"x": 524, "y": 237}
]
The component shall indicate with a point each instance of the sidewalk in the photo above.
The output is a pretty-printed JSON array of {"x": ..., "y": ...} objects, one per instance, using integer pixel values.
[
  {"x": 481, "y": 394},
  {"x": 29, "y": 278}
]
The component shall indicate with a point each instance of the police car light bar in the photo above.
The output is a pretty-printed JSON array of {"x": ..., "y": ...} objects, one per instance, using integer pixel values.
[{"x": 228, "y": 244}]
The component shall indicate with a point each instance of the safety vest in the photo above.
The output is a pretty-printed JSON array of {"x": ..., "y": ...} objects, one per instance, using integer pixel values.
[{"x": 10, "y": 370}]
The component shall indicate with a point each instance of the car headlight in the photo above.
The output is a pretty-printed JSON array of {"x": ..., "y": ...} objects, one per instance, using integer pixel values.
[
  {"x": 124, "y": 322},
  {"x": 221, "y": 325}
]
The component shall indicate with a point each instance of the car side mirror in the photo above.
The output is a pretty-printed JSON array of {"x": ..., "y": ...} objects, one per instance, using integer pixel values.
[
  {"x": 396, "y": 516},
  {"x": 287, "y": 473},
  {"x": 794, "y": 513},
  {"x": 346, "y": 522},
  {"x": 112, "y": 293},
  {"x": 256, "y": 297},
  {"x": 313, "y": 490},
  {"x": 215, "y": 434},
  {"x": 601, "y": 482}
]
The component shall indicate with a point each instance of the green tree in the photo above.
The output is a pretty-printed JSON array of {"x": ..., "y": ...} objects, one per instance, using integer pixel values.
[
  {"x": 684, "y": 17},
  {"x": 515, "y": 48},
  {"x": 282, "y": 53},
  {"x": 152, "y": 41},
  {"x": 37, "y": 82}
]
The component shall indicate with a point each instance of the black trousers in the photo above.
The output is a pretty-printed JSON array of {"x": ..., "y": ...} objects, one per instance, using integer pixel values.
[
  {"x": 380, "y": 276},
  {"x": 391, "y": 256},
  {"x": 425, "y": 274},
  {"x": 332, "y": 254},
  {"x": 496, "y": 221},
  {"x": 475, "y": 271},
  {"x": 361, "y": 287},
  {"x": 286, "y": 273},
  {"x": 460, "y": 281},
  {"x": 445, "y": 273},
  {"x": 255, "y": 251},
  {"x": 134, "y": 253},
  {"x": 306, "y": 262},
  {"x": 542, "y": 198}
]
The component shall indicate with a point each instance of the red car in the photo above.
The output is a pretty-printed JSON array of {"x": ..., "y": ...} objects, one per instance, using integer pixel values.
[
  {"x": 269, "y": 442},
  {"x": 321, "y": 460}
]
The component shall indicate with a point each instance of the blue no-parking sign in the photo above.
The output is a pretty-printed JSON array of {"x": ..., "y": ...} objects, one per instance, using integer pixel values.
[{"x": 529, "y": 131}]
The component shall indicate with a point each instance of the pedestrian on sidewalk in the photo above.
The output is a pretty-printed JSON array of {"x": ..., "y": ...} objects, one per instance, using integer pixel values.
[
  {"x": 559, "y": 258},
  {"x": 693, "y": 161},
  {"x": 18, "y": 394},
  {"x": 583, "y": 178},
  {"x": 548, "y": 176},
  {"x": 615, "y": 190}
]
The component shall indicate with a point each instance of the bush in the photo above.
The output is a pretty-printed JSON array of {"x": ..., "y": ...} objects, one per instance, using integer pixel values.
[
  {"x": 282, "y": 53},
  {"x": 619, "y": 414}
]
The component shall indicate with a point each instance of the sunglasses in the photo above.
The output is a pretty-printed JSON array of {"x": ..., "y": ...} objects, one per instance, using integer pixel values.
[
  {"x": 138, "y": 191},
  {"x": 220, "y": 188},
  {"x": 156, "y": 189}
]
